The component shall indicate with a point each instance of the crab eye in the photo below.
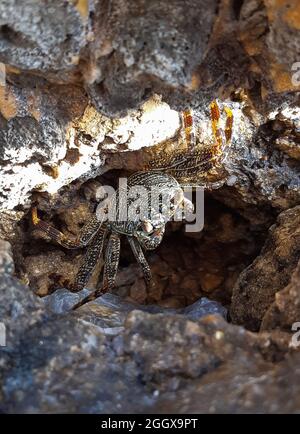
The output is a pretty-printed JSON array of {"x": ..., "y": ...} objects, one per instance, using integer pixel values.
[
  {"x": 147, "y": 226},
  {"x": 172, "y": 204}
]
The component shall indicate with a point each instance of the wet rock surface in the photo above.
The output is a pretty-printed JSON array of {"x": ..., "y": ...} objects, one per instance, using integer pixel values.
[{"x": 91, "y": 91}]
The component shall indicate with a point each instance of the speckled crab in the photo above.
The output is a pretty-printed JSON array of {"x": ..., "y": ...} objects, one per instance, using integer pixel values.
[{"x": 145, "y": 229}]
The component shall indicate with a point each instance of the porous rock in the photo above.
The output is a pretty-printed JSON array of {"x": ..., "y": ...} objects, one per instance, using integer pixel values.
[
  {"x": 90, "y": 86},
  {"x": 266, "y": 278},
  {"x": 54, "y": 363}
]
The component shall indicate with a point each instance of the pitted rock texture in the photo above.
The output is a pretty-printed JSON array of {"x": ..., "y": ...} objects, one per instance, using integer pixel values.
[
  {"x": 142, "y": 46},
  {"x": 261, "y": 285},
  {"x": 125, "y": 51},
  {"x": 141, "y": 62},
  {"x": 90, "y": 86},
  {"x": 284, "y": 312},
  {"x": 43, "y": 36},
  {"x": 151, "y": 362},
  {"x": 51, "y": 136}
]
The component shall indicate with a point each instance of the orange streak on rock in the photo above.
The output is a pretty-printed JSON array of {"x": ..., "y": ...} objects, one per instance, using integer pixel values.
[
  {"x": 8, "y": 103},
  {"x": 292, "y": 16}
]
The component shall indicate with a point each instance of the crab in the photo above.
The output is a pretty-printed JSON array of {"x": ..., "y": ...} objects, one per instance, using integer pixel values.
[
  {"x": 156, "y": 198},
  {"x": 159, "y": 199}
]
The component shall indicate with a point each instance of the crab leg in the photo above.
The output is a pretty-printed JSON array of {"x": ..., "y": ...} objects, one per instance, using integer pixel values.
[
  {"x": 85, "y": 236},
  {"x": 110, "y": 270},
  {"x": 197, "y": 161},
  {"x": 94, "y": 251},
  {"x": 140, "y": 258},
  {"x": 111, "y": 262},
  {"x": 188, "y": 125},
  {"x": 229, "y": 124},
  {"x": 222, "y": 137}
]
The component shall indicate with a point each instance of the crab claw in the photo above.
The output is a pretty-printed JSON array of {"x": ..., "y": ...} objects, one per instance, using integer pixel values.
[{"x": 188, "y": 206}]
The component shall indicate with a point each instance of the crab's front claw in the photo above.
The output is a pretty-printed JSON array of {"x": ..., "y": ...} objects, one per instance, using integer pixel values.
[
  {"x": 185, "y": 208},
  {"x": 188, "y": 206}
]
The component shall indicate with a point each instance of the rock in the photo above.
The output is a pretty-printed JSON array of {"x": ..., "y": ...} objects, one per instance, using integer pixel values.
[
  {"x": 40, "y": 37},
  {"x": 50, "y": 270},
  {"x": 35, "y": 146},
  {"x": 258, "y": 285},
  {"x": 236, "y": 393},
  {"x": 283, "y": 39},
  {"x": 91, "y": 91},
  {"x": 19, "y": 307},
  {"x": 60, "y": 145},
  {"x": 62, "y": 300},
  {"x": 288, "y": 123},
  {"x": 56, "y": 363},
  {"x": 140, "y": 45},
  {"x": 138, "y": 291},
  {"x": 141, "y": 63},
  {"x": 209, "y": 282},
  {"x": 46, "y": 143},
  {"x": 285, "y": 310},
  {"x": 127, "y": 52},
  {"x": 7, "y": 264},
  {"x": 11, "y": 231},
  {"x": 260, "y": 182}
]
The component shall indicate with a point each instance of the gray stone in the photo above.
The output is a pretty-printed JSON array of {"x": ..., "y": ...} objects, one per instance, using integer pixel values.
[
  {"x": 41, "y": 36},
  {"x": 156, "y": 362},
  {"x": 95, "y": 85}
]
